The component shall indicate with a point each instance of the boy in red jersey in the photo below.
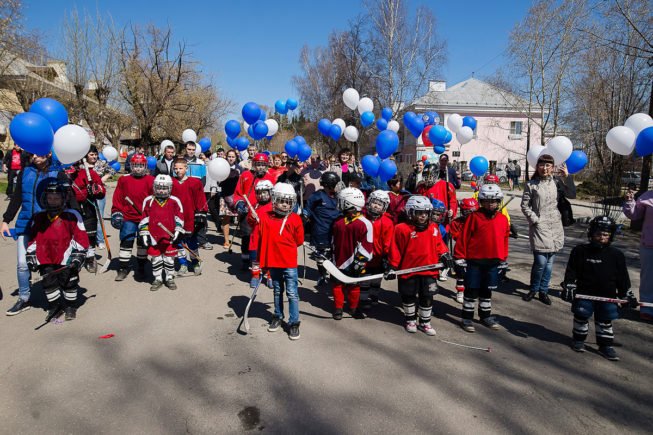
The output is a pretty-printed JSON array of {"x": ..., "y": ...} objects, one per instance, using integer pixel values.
[
  {"x": 484, "y": 245},
  {"x": 161, "y": 229},
  {"x": 467, "y": 207},
  {"x": 442, "y": 190},
  {"x": 279, "y": 233},
  {"x": 263, "y": 192},
  {"x": 398, "y": 198},
  {"x": 417, "y": 243}
]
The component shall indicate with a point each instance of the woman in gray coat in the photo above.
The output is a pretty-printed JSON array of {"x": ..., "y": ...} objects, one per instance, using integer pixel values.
[{"x": 545, "y": 231}]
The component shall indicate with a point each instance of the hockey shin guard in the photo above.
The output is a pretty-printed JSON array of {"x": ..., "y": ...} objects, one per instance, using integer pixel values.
[
  {"x": 581, "y": 328},
  {"x": 604, "y": 333},
  {"x": 169, "y": 266},
  {"x": 157, "y": 267}
]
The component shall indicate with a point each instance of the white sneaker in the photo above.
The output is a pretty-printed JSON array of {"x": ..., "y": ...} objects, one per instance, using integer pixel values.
[
  {"x": 460, "y": 296},
  {"x": 426, "y": 328},
  {"x": 101, "y": 246},
  {"x": 443, "y": 275},
  {"x": 411, "y": 326}
]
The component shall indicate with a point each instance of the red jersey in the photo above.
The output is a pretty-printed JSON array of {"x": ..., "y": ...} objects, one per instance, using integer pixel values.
[
  {"x": 383, "y": 230},
  {"x": 80, "y": 181},
  {"x": 483, "y": 238},
  {"x": 439, "y": 191},
  {"x": 352, "y": 237},
  {"x": 53, "y": 240},
  {"x": 412, "y": 248},
  {"x": 136, "y": 189},
  {"x": 253, "y": 223},
  {"x": 16, "y": 163},
  {"x": 275, "y": 173},
  {"x": 169, "y": 212},
  {"x": 191, "y": 194},
  {"x": 277, "y": 247},
  {"x": 456, "y": 227},
  {"x": 246, "y": 186},
  {"x": 396, "y": 206}
]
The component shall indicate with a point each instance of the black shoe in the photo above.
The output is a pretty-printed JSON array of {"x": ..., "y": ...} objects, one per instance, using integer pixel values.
[
  {"x": 374, "y": 300},
  {"x": 337, "y": 314},
  {"x": 544, "y": 298},
  {"x": 274, "y": 325},
  {"x": 122, "y": 274},
  {"x": 529, "y": 296},
  {"x": 91, "y": 265},
  {"x": 170, "y": 283},
  {"x": 70, "y": 312},
  {"x": 293, "y": 334},
  {"x": 53, "y": 312},
  {"x": 609, "y": 353},
  {"x": 140, "y": 270},
  {"x": 19, "y": 307},
  {"x": 358, "y": 313},
  {"x": 578, "y": 346}
]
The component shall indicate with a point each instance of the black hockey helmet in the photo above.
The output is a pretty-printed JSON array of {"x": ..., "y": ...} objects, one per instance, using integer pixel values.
[
  {"x": 50, "y": 202},
  {"x": 329, "y": 179},
  {"x": 602, "y": 223}
]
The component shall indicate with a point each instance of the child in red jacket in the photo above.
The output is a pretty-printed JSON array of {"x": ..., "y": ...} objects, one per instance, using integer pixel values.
[
  {"x": 484, "y": 245},
  {"x": 263, "y": 204},
  {"x": 467, "y": 207},
  {"x": 417, "y": 243},
  {"x": 383, "y": 230},
  {"x": 279, "y": 233}
]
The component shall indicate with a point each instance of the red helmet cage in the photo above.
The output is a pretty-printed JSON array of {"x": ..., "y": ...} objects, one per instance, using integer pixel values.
[
  {"x": 469, "y": 204},
  {"x": 138, "y": 158}
]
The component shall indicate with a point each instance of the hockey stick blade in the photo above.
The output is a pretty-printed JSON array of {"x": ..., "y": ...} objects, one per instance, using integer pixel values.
[{"x": 249, "y": 304}]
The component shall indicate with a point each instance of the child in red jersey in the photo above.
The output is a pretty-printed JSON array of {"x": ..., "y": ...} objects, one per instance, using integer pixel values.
[
  {"x": 279, "y": 233},
  {"x": 398, "y": 198},
  {"x": 467, "y": 207},
  {"x": 57, "y": 238},
  {"x": 484, "y": 245},
  {"x": 263, "y": 204},
  {"x": 352, "y": 248},
  {"x": 161, "y": 229},
  {"x": 417, "y": 243},
  {"x": 383, "y": 230},
  {"x": 443, "y": 191}
]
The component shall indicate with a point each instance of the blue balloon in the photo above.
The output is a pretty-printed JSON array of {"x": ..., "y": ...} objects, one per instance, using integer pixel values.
[
  {"x": 304, "y": 152},
  {"x": 299, "y": 139},
  {"x": 576, "y": 161},
  {"x": 291, "y": 104},
  {"x": 241, "y": 143},
  {"x": 438, "y": 135},
  {"x": 387, "y": 143},
  {"x": 448, "y": 138},
  {"x": 387, "y": 170},
  {"x": 205, "y": 144},
  {"x": 232, "y": 128},
  {"x": 439, "y": 149},
  {"x": 230, "y": 142},
  {"x": 426, "y": 163},
  {"x": 323, "y": 126},
  {"x": 644, "y": 142},
  {"x": 52, "y": 110},
  {"x": 115, "y": 165},
  {"x": 335, "y": 132},
  {"x": 281, "y": 107},
  {"x": 381, "y": 124},
  {"x": 292, "y": 148},
  {"x": 32, "y": 132},
  {"x": 431, "y": 118},
  {"x": 478, "y": 165},
  {"x": 101, "y": 157},
  {"x": 416, "y": 127},
  {"x": 262, "y": 116},
  {"x": 259, "y": 130},
  {"x": 251, "y": 112},
  {"x": 367, "y": 118},
  {"x": 370, "y": 165},
  {"x": 250, "y": 130},
  {"x": 151, "y": 163},
  {"x": 386, "y": 113},
  {"x": 470, "y": 122}
]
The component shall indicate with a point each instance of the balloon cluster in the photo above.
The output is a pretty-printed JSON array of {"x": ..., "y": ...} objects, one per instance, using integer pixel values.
[
  {"x": 255, "y": 124},
  {"x": 282, "y": 107},
  {"x": 562, "y": 151},
  {"x": 636, "y": 134},
  {"x": 463, "y": 127},
  {"x": 298, "y": 148}
]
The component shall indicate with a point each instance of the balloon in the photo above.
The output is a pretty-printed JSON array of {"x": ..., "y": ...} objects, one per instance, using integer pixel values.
[
  {"x": 218, "y": 169},
  {"x": 439, "y": 149},
  {"x": 291, "y": 104},
  {"x": 454, "y": 122},
  {"x": 387, "y": 170},
  {"x": 198, "y": 150},
  {"x": 416, "y": 126},
  {"x": 370, "y": 165},
  {"x": 367, "y": 118},
  {"x": 351, "y": 133},
  {"x": 32, "y": 132},
  {"x": 576, "y": 161},
  {"x": 151, "y": 163},
  {"x": 438, "y": 134},
  {"x": 469, "y": 121},
  {"x": 245, "y": 126},
  {"x": 386, "y": 113},
  {"x": 262, "y": 116},
  {"x": 115, "y": 166},
  {"x": 425, "y": 157},
  {"x": 335, "y": 132},
  {"x": 52, "y": 110},
  {"x": 167, "y": 142},
  {"x": 560, "y": 148},
  {"x": 449, "y": 137},
  {"x": 299, "y": 139},
  {"x": 393, "y": 126},
  {"x": 426, "y": 163},
  {"x": 431, "y": 118},
  {"x": 304, "y": 152},
  {"x": 425, "y": 136},
  {"x": 251, "y": 112},
  {"x": 386, "y": 143},
  {"x": 365, "y": 105},
  {"x": 381, "y": 124},
  {"x": 292, "y": 148},
  {"x": 110, "y": 153},
  {"x": 260, "y": 130},
  {"x": 241, "y": 143},
  {"x": 273, "y": 126},
  {"x": 464, "y": 135},
  {"x": 101, "y": 157},
  {"x": 281, "y": 107},
  {"x": 188, "y": 135},
  {"x": 340, "y": 123},
  {"x": 621, "y": 140},
  {"x": 232, "y": 128},
  {"x": 472, "y": 184},
  {"x": 205, "y": 144},
  {"x": 250, "y": 131},
  {"x": 351, "y": 98},
  {"x": 644, "y": 144},
  {"x": 230, "y": 142},
  {"x": 71, "y": 143},
  {"x": 478, "y": 165},
  {"x": 533, "y": 154},
  {"x": 637, "y": 122},
  {"x": 323, "y": 126}
]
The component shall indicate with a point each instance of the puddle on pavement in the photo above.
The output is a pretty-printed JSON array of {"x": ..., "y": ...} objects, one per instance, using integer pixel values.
[{"x": 250, "y": 417}]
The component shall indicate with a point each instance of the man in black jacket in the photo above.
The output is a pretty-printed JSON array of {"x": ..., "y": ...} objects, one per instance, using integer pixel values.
[{"x": 164, "y": 164}]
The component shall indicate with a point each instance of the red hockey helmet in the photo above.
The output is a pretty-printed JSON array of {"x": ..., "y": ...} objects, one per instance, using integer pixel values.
[
  {"x": 139, "y": 158},
  {"x": 138, "y": 164},
  {"x": 491, "y": 179},
  {"x": 468, "y": 205},
  {"x": 261, "y": 157}
]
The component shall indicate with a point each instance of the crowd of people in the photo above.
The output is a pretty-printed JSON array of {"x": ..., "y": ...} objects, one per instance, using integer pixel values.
[{"x": 417, "y": 232}]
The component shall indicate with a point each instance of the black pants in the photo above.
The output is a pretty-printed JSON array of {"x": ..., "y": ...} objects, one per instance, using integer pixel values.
[
  {"x": 418, "y": 289},
  {"x": 12, "y": 175}
]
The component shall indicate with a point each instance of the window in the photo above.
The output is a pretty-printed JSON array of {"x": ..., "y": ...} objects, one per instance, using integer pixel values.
[
  {"x": 455, "y": 153},
  {"x": 515, "y": 128}
]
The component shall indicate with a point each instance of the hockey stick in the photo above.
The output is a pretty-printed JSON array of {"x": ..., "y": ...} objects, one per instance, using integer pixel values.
[
  {"x": 611, "y": 300},
  {"x": 107, "y": 262},
  {"x": 249, "y": 304},
  {"x": 192, "y": 253},
  {"x": 485, "y": 349},
  {"x": 130, "y": 202},
  {"x": 54, "y": 315},
  {"x": 49, "y": 274},
  {"x": 249, "y": 204},
  {"x": 231, "y": 243},
  {"x": 301, "y": 205}
]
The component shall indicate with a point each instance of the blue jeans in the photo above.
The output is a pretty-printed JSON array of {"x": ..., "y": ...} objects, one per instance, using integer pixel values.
[
  {"x": 22, "y": 271},
  {"x": 128, "y": 230},
  {"x": 100, "y": 204},
  {"x": 193, "y": 244},
  {"x": 541, "y": 271},
  {"x": 285, "y": 279}
]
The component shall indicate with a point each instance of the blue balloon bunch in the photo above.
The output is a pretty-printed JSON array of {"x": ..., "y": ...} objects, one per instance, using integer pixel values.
[
  {"x": 34, "y": 130},
  {"x": 413, "y": 123},
  {"x": 282, "y": 107},
  {"x": 375, "y": 167},
  {"x": 431, "y": 118},
  {"x": 298, "y": 148}
]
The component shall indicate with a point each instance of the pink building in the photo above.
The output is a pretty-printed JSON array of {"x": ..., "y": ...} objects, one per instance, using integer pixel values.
[{"x": 501, "y": 124}]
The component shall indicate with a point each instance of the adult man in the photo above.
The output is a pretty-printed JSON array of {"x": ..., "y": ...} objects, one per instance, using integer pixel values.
[
  {"x": 12, "y": 164},
  {"x": 246, "y": 163},
  {"x": 164, "y": 164},
  {"x": 450, "y": 174},
  {"x": 517, "y": 175},
  {"x": 510, "y": 173},
  {"x": 416, "y": 177}
]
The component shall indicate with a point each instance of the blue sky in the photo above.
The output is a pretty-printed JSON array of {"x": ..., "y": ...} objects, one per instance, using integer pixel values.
[{"x": 251, "y": 48}]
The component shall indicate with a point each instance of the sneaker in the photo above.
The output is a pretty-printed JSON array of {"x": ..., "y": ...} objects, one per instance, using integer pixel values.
[
  {"x": 491, "y": 323},
  {"x": 54, "y": 311},
  {"x": 122, "y": 274},
  {"x": 91, "y": 265},
  {"x": 274, "y": 325},
  {"x": 156, "y": 285},
  {"x": 70, "y": 312},
  {"x": 578, "y": 346},
  {"x": 528, "y": 296},
  {"x": 468, "y": 325},
  {"x": 197, "y": 270},
  {"x": 443, "y": 275},
  {"x": 460, "y": 297},
  {"x": 411, "y": 326},
  {"x": 19, "y": 307},
  {"x": 183, "y": 270},
  {"x": 293, "y": 334},
  {"x": 207, "y": 246},
  {"x": 609, "y": 353},
  {"x": 544, "y": 298},
  {"x": 170, "y": 283},
  {"x": 337, "y": 314},
  {"x": 426, "y": 328},
  {"x": 358, "y": 314},
  {"x": 101, "y": 246}
]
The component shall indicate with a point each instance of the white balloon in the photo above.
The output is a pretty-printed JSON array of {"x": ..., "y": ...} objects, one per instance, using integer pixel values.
[
  {"x": 109, "y": 153},
  {"x": 351, "y": 133},
  {"x": 165, "y": 143},
  {"x": 621, "y": 139},
  {"x": 71, "y": 143},
  {"x": 560, "y": 148},
  {"x": 455, "y": 122},
  {"x": 393, "y": 125},
  {"x": 198, "y": 150},
  {"x": 245, "y": 126},
  {"x": 273, "y": 126},
  {"x": 533, "y": 154},
  {"x": 365, "y": 105},
  {"x": 218, "y": 169},
  {"x": 340, "y": 123},
  {"x": 351, "y": 98},
  {"x": 638, "y": 122},
  {"x": 189, "y": 136},
  {"x": 464, "y": 135}
]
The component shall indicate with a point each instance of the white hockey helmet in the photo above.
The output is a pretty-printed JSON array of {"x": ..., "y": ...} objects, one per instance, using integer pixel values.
[
  {"x": 490, "y": 191},
  {"x": 162, "y": 186},
  {"x": 283, "y": 195},
  {"x": 263, "y": 191},
  {"x": 263, "y": 185},
  {"x": 381, "y": 199},
  {"x": 351, "y": 198},
  {"x": 418, "y": 203}
]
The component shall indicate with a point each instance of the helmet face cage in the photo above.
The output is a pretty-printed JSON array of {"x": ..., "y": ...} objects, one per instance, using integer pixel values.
[
  {"x": 138, "y": 169},
  {"x": 377, "y": 204},
  {"x": 263, "y": 195},
  {"x": 490, "y": 191},
  {"x": 468, "y": 206},
  {"x": 162, "y": 187},
  {"x": 602, "y": 224},
  {"x": 437, "y": 215},
  {"x": 283, "y": 203},
  {"x": 417, "y": 206},
  {"x": 53, "y": 198},
  {"x": 260, "y": 167}
]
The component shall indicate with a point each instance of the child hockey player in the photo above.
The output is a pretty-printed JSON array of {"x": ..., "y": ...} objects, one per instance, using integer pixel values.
[
  {"x": 57, "y": 239},
  {"x": 441, "y": 190},
  {"x": 483, "y": 243},
  {"x": 279, "y": 233},
  {"x": 352, "y": 248},
  {"x": 467, "y": 207},
  {"x": 597, "y": 269},
  {"x": 127, "y": 213},
  {"x": 438, "y": 216},
  {"x": 263, "y": 192},
  {"x": 161, "y": 229},
  {"x": 493, "y": 179},
  {"x": 417, "y": 243},
  {"x": 398, "y": 198}
]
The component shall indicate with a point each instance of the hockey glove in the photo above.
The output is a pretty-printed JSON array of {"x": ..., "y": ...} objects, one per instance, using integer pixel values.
[
  {"x": 447, "y": 260},
  {"x": 32, "y": 262},
  {"x": 633, "y": 303},
  {"x": 568, "y": 292},
  {"x": 241, "y": 208},
  {"x": 116, "y": 220},
  {"x": 389, "y": 274},
  {"x": 357, "y": 267},
  {"x": 178, "y": 236},
  {"x": 77, "y": 259},
  {"x": 200, "y": 220},
  {"x": 94, "y": 190},
  {"x": 146, "y": 239}
]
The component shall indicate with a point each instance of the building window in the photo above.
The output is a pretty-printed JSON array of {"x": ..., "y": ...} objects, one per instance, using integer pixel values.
[
  {"x": 515, "y": 128},
  {"x": 455, "y": 153}
]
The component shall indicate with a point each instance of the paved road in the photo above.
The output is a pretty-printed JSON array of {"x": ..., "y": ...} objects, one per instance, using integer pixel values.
[{"x": 177, "y": 364}]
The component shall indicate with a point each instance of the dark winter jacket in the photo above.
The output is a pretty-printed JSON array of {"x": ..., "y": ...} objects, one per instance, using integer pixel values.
[
  {"x": 322, "y": 211},
  {"x": 598, "y": 271}
]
